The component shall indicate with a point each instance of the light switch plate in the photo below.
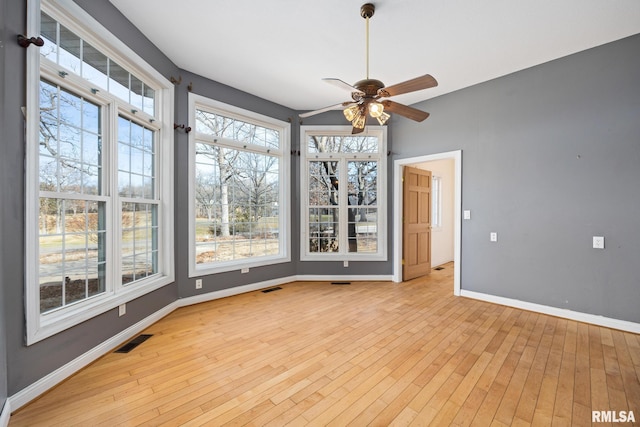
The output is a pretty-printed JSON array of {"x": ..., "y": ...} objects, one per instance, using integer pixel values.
[
  {"x": 467, "y": 214},
  {"x": 598, "y": 242}
]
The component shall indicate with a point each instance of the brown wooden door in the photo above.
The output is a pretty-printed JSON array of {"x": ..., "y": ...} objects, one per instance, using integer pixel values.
[{"x": 416, "y": 228}]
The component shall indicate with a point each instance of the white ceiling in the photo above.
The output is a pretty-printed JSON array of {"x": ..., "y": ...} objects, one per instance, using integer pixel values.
[{"x": 281, "y": 49}]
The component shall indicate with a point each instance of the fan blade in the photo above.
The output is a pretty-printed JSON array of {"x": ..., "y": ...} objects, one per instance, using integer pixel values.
[
  {"x": 329, "y": 108},
  {"x": 403, "y": 110},
  {"x": 342, "y": 85},
  {"x": 419, "y": 83}
]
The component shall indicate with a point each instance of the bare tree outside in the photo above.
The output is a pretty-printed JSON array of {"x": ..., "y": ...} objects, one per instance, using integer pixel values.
[
  {"x": 324, "y": 193},
  {"x": 71, "y": 227},
  {"x": 236, "y": 189}
]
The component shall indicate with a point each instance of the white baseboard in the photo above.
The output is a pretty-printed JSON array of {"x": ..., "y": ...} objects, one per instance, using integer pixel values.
[
  {"x": 334, "y": 278},
  {"x": 6, "y": 414},
  {"x": 594, "y": 319},
  {"x": 34, "y": 390},
  {"x": 210, "y": 296}
]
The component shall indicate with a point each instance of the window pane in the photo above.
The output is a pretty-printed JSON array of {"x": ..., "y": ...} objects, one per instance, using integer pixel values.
[
  {"x": 136, "y": 160},
  {"x": 237, "y": 130},
  {"x": 136, "y": 93},
  {"x": 148, "y": 100},
  {"x": 90, "y": 117},
  {"x": 70, "y": 138},
  {"x": 323, "y": 230},
  {"x": 95, "y": 66},
  {"x": 118, "y": 81},
  {"x": 363, "y": 230},
  {"x": 49, "y": 33},
  {"x": 342, "y": 144},
  {"x": 70, "y": 46},
  {"x": 139, "y": 241},
  {"x": 237, "y": 195},
  {"x": 91, "y": 148},
  {"x": 70, "y": 107},
  {"x": 323, "y": 183},
  {"x": 70, "y": 153},
  {"x": 72, "y": 251},
  {"x": 363, "y": 183}
]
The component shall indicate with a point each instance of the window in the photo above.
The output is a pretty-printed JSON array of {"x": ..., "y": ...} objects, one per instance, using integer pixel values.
[
  {"x": 343, "y": 222},
  {"x": 239, "y": 169},
  {"x": 436, "y": 202},
  {"x": 99, "y": 173}
]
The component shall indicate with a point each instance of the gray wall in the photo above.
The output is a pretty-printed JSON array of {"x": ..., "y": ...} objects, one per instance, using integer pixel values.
[{"x": 551, "y": 157}]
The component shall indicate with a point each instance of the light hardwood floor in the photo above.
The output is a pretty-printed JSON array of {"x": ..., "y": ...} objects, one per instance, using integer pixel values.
[{"x": 369, "y": 353}]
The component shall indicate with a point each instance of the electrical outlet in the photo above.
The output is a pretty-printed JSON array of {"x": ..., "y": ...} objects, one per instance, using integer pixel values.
[
  {"x": 345, "y": 263},
  {"x": 122, "y": 310},
  {"x": 598, "y": 242},
  {"x": 467, "y": 214},
  {"x": 244, "y": 270},
  {"x": 493, "y": 236},
  {"x": 198, "y": 283}
]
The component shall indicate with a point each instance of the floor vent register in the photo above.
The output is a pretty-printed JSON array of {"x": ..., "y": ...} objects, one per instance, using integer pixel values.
[{"x": 133, "y": 343}]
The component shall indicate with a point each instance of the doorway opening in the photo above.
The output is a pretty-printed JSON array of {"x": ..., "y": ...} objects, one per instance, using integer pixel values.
[{"x": 398, "y": 168}]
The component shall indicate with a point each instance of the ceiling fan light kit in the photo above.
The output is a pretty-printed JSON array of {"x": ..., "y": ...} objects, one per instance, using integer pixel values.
[{"x": 367, "y": 94}]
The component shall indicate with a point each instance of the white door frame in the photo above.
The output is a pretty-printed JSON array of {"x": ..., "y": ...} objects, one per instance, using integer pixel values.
[{"x": 457, "y": 211}]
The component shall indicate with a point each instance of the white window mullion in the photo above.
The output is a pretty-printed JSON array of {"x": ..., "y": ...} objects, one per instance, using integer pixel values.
[
  {"x": 114, "y": 217},
  {"x": 32, "y": 198},
  {"x": 343, "y": 206}
]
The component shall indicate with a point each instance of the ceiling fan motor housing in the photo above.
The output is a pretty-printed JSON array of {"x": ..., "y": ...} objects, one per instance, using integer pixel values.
[{"x": 369, "y": 87}]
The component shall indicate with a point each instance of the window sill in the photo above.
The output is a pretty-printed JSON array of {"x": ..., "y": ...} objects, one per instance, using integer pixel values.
[
  {"x": 59, "y": 320},
  {"x": 208, "y": 269}
]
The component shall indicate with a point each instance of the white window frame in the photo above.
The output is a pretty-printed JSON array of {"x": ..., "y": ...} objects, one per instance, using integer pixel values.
[
  {"x": 68, "y": 13},
  {"x": 284, "y": 204},
  {"x": 381, "y": 157}
]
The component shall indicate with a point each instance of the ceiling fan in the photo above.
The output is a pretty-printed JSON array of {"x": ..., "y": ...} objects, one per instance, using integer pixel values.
[{"x": 368, "y": 95}]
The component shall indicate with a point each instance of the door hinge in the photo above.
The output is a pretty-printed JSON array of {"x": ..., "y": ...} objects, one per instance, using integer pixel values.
[{"x": 403, "y": 261}]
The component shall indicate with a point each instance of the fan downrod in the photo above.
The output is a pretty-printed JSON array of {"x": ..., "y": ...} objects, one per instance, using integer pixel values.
[{"x": 367, "y": 10}]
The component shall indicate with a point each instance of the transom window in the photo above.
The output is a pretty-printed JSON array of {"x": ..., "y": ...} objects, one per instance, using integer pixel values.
[
  {"x": 343, "y": 177},
  {"x": 99, "y": 174},
  {"x": 238, "y": 188},
  {"x": 66, "y": 49}
]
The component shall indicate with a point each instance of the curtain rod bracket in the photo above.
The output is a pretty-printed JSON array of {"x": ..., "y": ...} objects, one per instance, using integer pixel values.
[
  {"x": 186, "y": 128},
  {"x": 25, "y": 41}
]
